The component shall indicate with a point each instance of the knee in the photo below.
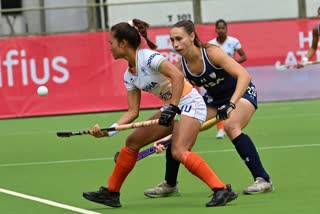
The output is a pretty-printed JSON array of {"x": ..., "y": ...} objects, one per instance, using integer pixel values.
[
  {"x": 131, "y": 142},
  {"x": 177, "y": 154},
  {"x": 232, "y": 130}
]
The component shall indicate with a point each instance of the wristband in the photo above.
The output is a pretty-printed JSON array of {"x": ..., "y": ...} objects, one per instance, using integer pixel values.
[
  {"x": 305, "y": 59},
  {"x": 111, "y": 133}
]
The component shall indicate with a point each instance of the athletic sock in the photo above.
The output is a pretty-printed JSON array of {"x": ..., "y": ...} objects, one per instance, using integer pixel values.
[
  {"x": 172, "y": 168},
  {"x": 247, "y": 151},
  {"x": 125, "y": 163},
  {"x": 220, "y": 125},
  {"x": 197, "y": 166}
]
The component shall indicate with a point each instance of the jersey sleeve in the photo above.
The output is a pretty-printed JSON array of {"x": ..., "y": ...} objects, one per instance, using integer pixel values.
[
  {"x": 128, "y": 81},
  {"x": 154, "y": 59},
  {"x": 237, "y": 44}
]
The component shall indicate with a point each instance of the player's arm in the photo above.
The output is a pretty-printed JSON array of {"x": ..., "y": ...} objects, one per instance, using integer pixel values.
[
  {"x": 242, "y": 56},
  {"x": 314, "y": 46},
  {"x": 219, "y": 58},
  {"x": 134, "y": 97},
  {"x": 176, "y": 78}
]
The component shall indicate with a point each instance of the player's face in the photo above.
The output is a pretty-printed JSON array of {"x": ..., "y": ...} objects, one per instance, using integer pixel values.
[
  {"x": 115, "y": 48},
  {"x": 181, "y": 40},
  {"x": 318, "y": 12},
  {"x": 221, "y": 30}
]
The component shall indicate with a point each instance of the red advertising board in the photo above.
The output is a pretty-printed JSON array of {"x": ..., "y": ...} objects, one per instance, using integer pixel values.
[{"x": 82, "y": 76}]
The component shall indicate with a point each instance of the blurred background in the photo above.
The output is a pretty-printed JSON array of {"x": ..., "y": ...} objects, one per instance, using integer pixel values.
[
  {"x": 56, "y": 16},
  {"x": 64, "y": 46}
]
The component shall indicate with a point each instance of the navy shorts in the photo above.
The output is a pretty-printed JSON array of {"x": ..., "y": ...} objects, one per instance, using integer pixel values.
[{"x": 250, "y": 94}]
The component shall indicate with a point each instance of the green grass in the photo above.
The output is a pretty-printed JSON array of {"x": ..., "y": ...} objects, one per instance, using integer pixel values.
[{"x": 35, "y": 162}]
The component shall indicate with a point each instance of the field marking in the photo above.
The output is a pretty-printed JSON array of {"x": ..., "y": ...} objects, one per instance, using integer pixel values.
[
  {"x": 111, "y": 158},
  {"x": 45, "y": 201}
]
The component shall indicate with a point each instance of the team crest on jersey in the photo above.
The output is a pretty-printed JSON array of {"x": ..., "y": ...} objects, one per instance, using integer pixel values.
[
  {"x": 213, "y": 75},
  {"x": 149, "y": 87}
]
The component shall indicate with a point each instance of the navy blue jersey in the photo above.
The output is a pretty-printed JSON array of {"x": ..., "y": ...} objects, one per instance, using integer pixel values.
[
  {"x": 319, "y": 29},
  {"x": 218, "y": 83}
]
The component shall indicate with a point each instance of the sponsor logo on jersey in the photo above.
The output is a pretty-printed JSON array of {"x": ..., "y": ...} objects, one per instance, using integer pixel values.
[
  {"x": 213, "y": 83},
  {"x": 149, "y": 87},
  {"x": 151, "y": 58}
]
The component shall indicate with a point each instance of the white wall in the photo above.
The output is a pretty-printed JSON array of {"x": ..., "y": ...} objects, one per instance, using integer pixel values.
[
  {"x": 247, "y": 10},
  {"x": 312, "y": 7},
  {"x": 74, "y": 19},
  {"x": 157, "y": 14}
]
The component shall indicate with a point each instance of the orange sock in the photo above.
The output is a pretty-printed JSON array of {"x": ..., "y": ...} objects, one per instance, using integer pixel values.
[
  {"x": 220, "y": 125},
  {"x": 125, "y": 163},
  {"x": 197, "y": 166}
]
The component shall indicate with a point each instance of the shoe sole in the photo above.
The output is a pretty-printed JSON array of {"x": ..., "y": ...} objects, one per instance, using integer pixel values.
[
  {"x": 162, "y": 195},
  {"x": 259, "y": 192},
  {"x": 100, "y": 202}
]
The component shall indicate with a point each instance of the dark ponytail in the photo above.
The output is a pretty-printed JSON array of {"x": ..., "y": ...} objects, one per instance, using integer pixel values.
[
  {"x": 142, "y": 27},
  {"x": 132, "y": 32}
]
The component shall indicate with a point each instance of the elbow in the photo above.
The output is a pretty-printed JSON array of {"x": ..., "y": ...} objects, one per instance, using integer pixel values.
[
  {"x": 135, "y": 115},
  {"x": 181, "y": 77},
  {"x": 244, "y": 58}
]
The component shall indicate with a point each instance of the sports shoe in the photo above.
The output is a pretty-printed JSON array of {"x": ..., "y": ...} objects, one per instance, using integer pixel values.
[
  {"x": 220, "y": 134},
  {"x": 259, "y": 186},
  {"x": 222, "y": 196},
  {"x": 104, "y": 196},
  {"x": 162, "y": 190}
]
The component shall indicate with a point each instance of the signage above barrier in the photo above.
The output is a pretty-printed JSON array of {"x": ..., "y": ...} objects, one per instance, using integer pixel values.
[{"x": 82, "y": 76}]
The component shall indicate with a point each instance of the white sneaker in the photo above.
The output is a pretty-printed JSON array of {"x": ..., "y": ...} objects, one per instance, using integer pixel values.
[
  {"x": 162, "y": 190},
  {"x": 220, "y": 134},
  {"x": 259, "y": 186}
]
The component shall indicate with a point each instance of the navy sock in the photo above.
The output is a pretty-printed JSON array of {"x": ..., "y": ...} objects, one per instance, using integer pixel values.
[
  {"x": 248, "y": 153},
  {"x": 172, "y": 168}
]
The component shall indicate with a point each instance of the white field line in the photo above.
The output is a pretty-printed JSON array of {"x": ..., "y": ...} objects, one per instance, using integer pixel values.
[
  {"x": 111, "y": 158},
  {"x": 45, "y": 201}
]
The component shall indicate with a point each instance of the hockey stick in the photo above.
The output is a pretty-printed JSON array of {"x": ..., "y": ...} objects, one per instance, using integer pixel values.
[
  {"x": 146, "y": 152},
  {"x": 118, "y": 128},
  {"x": 151, "y": 150},
  {"x": 282, "y": 67}
]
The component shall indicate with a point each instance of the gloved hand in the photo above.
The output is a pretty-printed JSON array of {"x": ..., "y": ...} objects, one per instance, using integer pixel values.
[
  {"x": 225, "y": 110},
  {"x": 168, "y": 115}
]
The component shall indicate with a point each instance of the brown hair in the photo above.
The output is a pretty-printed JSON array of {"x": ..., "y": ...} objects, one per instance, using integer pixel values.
[
  {"x": 189, "y": 27},
  {"x": 125, "y": 31}
]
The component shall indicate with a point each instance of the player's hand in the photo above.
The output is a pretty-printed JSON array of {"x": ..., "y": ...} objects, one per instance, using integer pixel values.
[
  {"x": 168, "y": 115},
  {"x": 96, "y": 132},
  {"x": 225, "y": 110},
  {"x": 302, "y": 62},
  {"x": 159, "y": 147}
]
